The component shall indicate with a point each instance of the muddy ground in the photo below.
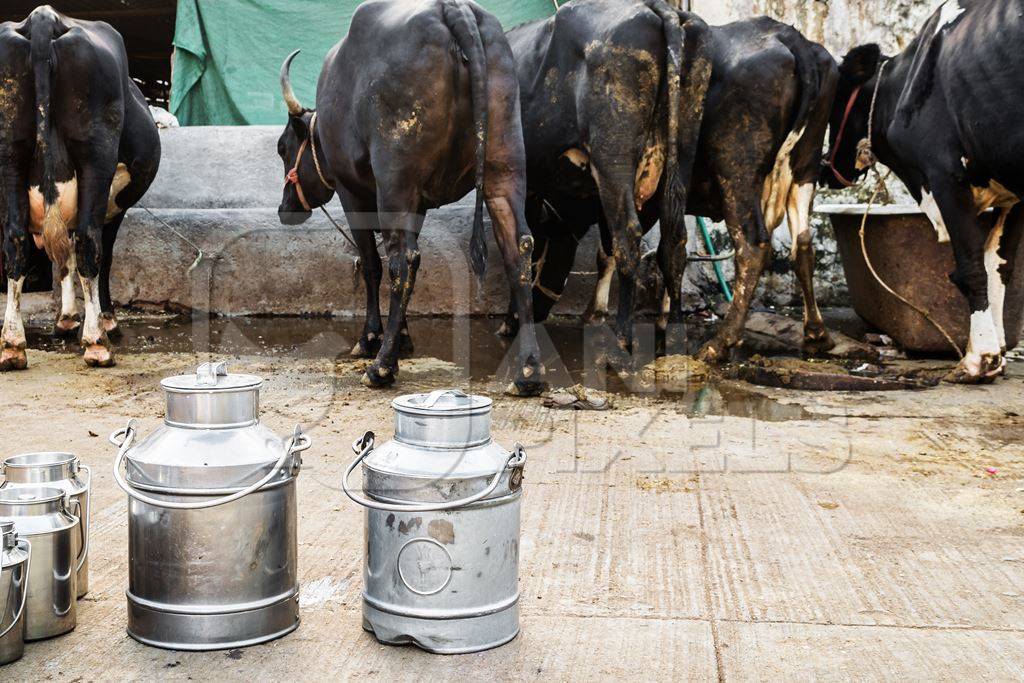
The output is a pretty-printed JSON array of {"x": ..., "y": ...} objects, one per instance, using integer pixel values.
[{"x": 728, "y": 531}]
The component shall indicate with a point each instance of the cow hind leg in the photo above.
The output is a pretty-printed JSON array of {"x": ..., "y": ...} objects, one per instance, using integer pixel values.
[
  {"x": 68, "y": 322},
  {"x": 12, "y": 349},
  {"x": 401, "y": 230},
  {"x": 746, "y": 227},
  {"x": 95, "y": 178},
  {"x": 983, "y": 359},
  {"x": 107, "y": 318},
  {"x": 615, "y": 186},
  {"x": 597, "y": 309},
  {"x": 996, "y": 286},
  {"x": 516, "y": 246},
  {"x": 672, "y": 264},
  {"x": 362, "y": 219},
  {"x": 798, "y": 208}
]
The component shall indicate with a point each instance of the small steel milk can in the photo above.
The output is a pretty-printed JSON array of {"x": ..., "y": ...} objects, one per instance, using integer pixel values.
[
  {"x": 212, "y": 530},
  {"x": 442, "y": 526},
  {"x": 15, "y": 555},
  {"x": 59, "y": 470},
  {"x": 44, "y": 516}
]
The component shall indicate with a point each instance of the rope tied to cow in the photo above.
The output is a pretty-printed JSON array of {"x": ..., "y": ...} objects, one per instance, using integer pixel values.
[{"x": 866, "y": 157}]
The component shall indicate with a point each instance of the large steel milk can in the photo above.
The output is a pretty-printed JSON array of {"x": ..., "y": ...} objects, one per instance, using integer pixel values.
[
  {"x": 212, "y": 527},
  {"x": 442, "y": 526},
  {"x": 43, "y": 515},
  {"x": 15, "y": 555},
  {"x": 62, "y": 471}
]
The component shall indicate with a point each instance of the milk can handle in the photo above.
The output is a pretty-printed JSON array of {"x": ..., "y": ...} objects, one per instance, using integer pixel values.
[
  {"x": 82, "y": 533},
  {"x": 296, "y": 444},
  {"x": 362, "y": 448},
  {"x": 83, "y": 523},
  {"x": 435, "y": 396},
  {"x": 24, "y": 589}
]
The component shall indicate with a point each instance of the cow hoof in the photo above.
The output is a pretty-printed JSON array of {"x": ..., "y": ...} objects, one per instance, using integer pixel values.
[
  {"x": 366, "y": 347},
  {"x": 817, "y": 341},
  {"x": 710, "y": 354},
  {"x": 595, "y": 317},
  {"x": 981, "y": 369},
  {"x": 13, "y": 358},
  {"x": 110, "y": 326},
  {"x": 99, "y": 356},
  {"x": 405, "y": 346},
  {"x": 377, "y": 377},
  {"x": 530, "y": 381},
  {"x": 509, "y": 328},
  {"x": 66, "y": 327}
]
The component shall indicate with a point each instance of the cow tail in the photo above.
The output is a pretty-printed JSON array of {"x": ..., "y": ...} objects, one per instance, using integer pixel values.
[
  {"x": 673, "y": 202},
  {"x": 462, "y": 23},
  {"x": 809, "y": 75},
  {"x": 695, "y": 79},
  {"x": 56, "y": 237}
]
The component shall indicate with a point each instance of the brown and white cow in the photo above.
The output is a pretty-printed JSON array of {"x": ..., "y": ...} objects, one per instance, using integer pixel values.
[{"x": 78, "y": 147}]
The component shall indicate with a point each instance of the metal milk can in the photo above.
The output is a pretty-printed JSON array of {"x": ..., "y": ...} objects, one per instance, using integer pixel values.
[
  {"x": 442, "y": 526},
  {"x": 43, "y": 516},
  {"x": 15, "y": 556},
  {"x": 62, "y": 471},
  {"x": 212, "y": 528}
]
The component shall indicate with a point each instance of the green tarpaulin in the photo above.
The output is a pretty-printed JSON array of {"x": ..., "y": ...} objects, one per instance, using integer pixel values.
[{"x": 228, "y": 53}]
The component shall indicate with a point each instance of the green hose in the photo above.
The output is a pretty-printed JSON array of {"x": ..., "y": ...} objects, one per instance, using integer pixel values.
[{"x": 717, "y": 264}]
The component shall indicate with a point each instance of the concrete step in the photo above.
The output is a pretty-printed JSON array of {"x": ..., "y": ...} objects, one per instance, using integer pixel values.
[{"x": 254, "y": 265}]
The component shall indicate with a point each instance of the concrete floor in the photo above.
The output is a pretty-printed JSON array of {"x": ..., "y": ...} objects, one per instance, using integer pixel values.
[{"x": 862, "y": 538}]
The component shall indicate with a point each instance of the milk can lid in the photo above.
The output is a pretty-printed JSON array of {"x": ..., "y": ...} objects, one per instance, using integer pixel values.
[
  {"x": 449, "y": 402},
  {"x": 211, "y": 377}
]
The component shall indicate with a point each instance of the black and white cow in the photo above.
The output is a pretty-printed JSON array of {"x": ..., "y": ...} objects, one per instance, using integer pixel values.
[
  {"x": 415, "y": 106},
  {"x": 757, "y": 161},
  {"x": 947, "y": 122},
  {"x": 78, "y": 147}
]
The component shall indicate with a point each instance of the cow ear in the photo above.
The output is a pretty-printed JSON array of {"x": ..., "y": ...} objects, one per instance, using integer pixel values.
[
  {"x": 298, "y": 124},
  {"x": 861, "y": 63}
]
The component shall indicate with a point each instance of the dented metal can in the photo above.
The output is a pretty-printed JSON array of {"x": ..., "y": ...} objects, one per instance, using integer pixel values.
[
  {"x": 442, "y": 502},
  {"x": 212, "y": 519}
]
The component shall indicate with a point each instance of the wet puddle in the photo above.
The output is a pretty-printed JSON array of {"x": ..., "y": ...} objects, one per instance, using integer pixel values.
[{"x": 570, "y": 351}]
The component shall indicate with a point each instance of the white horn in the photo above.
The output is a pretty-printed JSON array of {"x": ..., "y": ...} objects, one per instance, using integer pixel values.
[{"x": 294, "y": 106}]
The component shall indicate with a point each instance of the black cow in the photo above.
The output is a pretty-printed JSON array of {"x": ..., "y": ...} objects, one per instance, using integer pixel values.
[
  {"x": 78, "y": 147},
  {"x": 415, "y": 105},
  {"x": 758, "y": 156},
  {"x": 947, "y": 122},
  {"x": 612, "y": 96}
]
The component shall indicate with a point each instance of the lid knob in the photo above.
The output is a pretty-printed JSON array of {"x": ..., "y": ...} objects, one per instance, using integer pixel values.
[{"x": 207, "y": 373}]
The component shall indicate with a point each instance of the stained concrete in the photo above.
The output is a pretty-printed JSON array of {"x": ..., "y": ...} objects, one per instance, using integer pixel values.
[{"x": 852, "y": 536}]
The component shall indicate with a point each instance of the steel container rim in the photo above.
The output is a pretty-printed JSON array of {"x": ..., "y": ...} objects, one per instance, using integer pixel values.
[
  {"x": 20, "y": 461},
  {"x": 54, "y": 494},
  {"x": 201, "y": 492},
  {"x": 403, "y": 404}
]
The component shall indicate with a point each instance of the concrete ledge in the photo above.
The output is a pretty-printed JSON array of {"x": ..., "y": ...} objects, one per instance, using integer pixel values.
[
  {"x": 219, "y": 187},
  {"x": 254, "y": 265}
]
